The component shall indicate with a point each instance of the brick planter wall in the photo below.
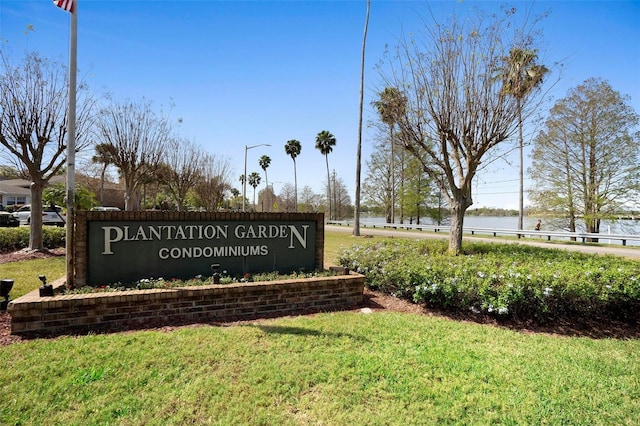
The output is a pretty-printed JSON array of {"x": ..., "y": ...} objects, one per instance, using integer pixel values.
[{"x": 32, "y": 314}]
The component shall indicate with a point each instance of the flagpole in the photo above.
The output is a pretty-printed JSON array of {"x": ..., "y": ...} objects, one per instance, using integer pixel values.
[{"x": 71, "y": 146}]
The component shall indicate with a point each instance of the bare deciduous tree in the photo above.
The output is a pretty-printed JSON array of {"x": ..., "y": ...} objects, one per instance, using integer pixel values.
[
  {"x": 309, "y": 200},
  {"x": 287, "y": 198},
  {"x": 378, "y": 188},
  {"x": 215, "y": 181},
  {"x": 456, "y": 110},
  {"x": 185, "y": 161},
  {"x": 33, "y": 124},
  {"x": 138, "y": 137}
]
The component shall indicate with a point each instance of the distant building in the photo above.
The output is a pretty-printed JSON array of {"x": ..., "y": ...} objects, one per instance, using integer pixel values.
[{"x": 18, "y": 191}]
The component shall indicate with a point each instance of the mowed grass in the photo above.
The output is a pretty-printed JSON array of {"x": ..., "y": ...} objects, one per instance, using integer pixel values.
[
  {"x": 25, "y": 274},
  {"x": 346, "y": 368},
  {"x": 333, "y": 369}
]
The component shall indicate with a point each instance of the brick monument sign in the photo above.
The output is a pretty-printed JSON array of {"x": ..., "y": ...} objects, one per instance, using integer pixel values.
[{"x": 123, "y": 247}]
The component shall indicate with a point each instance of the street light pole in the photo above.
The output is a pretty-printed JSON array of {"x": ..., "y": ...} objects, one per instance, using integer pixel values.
[{"x": 244, "y": 181}]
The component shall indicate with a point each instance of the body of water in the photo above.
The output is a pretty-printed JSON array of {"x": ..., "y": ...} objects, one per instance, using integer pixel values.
[{"x": 622, "y": 226}]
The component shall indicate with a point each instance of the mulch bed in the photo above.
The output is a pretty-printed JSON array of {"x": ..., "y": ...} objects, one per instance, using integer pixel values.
[{"x": 377, "y": 301}]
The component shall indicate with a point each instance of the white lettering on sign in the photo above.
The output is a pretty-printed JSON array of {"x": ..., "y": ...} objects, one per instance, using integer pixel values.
[
  {"x": 198, "y": 252},
  {"x": 302, "y": 240},
  {"x": 118, "y": 234}
]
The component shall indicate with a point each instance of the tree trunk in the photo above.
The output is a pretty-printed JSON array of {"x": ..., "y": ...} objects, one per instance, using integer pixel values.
[
  {"x": 393, "y": 178},
  {"x": 35, "y": 227},
  {"x": 104, "y": 171},
  {"x": 593, "y": 227},
  {"x": 128, "y": 206},
  {"x": 457, "y": 222},
  {"x": 459, "y": 206},
  {"x": 326, "y": 158},
  {"x": 521, "y": 175},
  {"x": 295, "y": 186},
  {"x": 402, "y": 184}
]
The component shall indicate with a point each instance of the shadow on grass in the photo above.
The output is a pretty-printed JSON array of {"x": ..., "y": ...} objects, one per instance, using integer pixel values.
[{"x": 300, "y": 331}]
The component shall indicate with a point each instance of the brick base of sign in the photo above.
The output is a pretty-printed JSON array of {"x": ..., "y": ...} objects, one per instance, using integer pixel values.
[{"x": 111, "y": 311}]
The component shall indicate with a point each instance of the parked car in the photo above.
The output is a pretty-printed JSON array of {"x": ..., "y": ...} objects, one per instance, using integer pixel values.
[
  {"x": 7, "y": 219},
  {"x": 51, "y": 215}
]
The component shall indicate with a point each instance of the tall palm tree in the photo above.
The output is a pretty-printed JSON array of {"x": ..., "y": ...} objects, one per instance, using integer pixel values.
[
  {"x": 521, "y": 76},
  {"x": 390, "y": 106},
  {"x": 265, "y": 162},
  {"x": 254, "y": 181},
  {"x": 356, "y": 225},
  {"x": 105, "y": 153},
  {"x": 293, "y": 148},
  {"x": 325, "y": 142},
  {"x": 242, "y": 179}
]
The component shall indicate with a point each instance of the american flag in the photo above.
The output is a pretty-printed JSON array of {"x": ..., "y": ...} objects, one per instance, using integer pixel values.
[{"x": 64, "y": 4}]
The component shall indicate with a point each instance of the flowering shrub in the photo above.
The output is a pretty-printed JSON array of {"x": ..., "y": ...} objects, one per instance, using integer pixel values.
[
  {"x": 199, "y": 280},
  {"x": 500, "y": 279}
]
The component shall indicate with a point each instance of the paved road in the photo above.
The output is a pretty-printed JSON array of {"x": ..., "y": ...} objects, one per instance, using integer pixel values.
[{"x": 630, "y": 252}]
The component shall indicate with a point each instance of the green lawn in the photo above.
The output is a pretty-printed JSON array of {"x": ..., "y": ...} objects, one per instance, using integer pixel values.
[
  {"x": 346, "y": 368},
  {"x": 335, "y": 369},
  {"x": 25, "y": 274}
]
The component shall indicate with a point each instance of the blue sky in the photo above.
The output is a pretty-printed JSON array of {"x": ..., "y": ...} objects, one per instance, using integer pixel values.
[{"x": 263, "y": 72}]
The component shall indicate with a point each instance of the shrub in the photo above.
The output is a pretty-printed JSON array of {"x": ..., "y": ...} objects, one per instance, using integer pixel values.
[
  {"x": 161, "y": 283},
  {"x": 13, "y": 239},
  {"x": 504, "y": 280}
]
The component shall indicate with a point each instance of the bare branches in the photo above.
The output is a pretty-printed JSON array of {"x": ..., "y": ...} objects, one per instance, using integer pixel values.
[
  {"x": 456, "y": 110},
  {"x": 587, "y": 155},
  {"x": 138, "y": 137},
  {"x": 33, "y": 123},
  {"x": 185, "y": 168}
]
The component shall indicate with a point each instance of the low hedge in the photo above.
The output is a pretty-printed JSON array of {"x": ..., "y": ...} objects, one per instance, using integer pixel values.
[
  {"x": 503, "y": 280},
  {"x": 14, "y": 239}
]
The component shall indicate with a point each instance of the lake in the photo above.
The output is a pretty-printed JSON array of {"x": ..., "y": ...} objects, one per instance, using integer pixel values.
[{"x": 622, "y": 226}]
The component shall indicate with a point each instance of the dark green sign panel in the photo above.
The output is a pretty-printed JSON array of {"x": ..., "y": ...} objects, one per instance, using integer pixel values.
[{"x": 126, "y": 251}]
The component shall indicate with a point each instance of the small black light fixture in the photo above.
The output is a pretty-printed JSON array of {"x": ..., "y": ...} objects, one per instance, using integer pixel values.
[
  {"x": 47, "y": 289},
  {"x": 5, "y": 287},
  {"x": 216, "y": 274}
]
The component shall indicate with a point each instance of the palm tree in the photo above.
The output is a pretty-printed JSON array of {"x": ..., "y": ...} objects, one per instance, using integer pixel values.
[
  {"x": 242, "y": 179},
  {"x": 522, "y": 75},
  {"x": 356, "y": 225},
  {"x": 325, "y": 142},
  {"x": 390, "y": 107},
  {"x": 254, "y": 181},
  {"x": 104, "y": 155},
  {"x": 293, "y": 148},
  {"x": 265, "y": 162}
]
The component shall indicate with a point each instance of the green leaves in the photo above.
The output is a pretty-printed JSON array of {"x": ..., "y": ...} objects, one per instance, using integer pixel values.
[{"x": 500, "y": 279}]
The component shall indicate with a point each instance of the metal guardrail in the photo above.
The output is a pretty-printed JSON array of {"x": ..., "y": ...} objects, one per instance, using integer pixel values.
[{"x": 573, "y": 236}]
